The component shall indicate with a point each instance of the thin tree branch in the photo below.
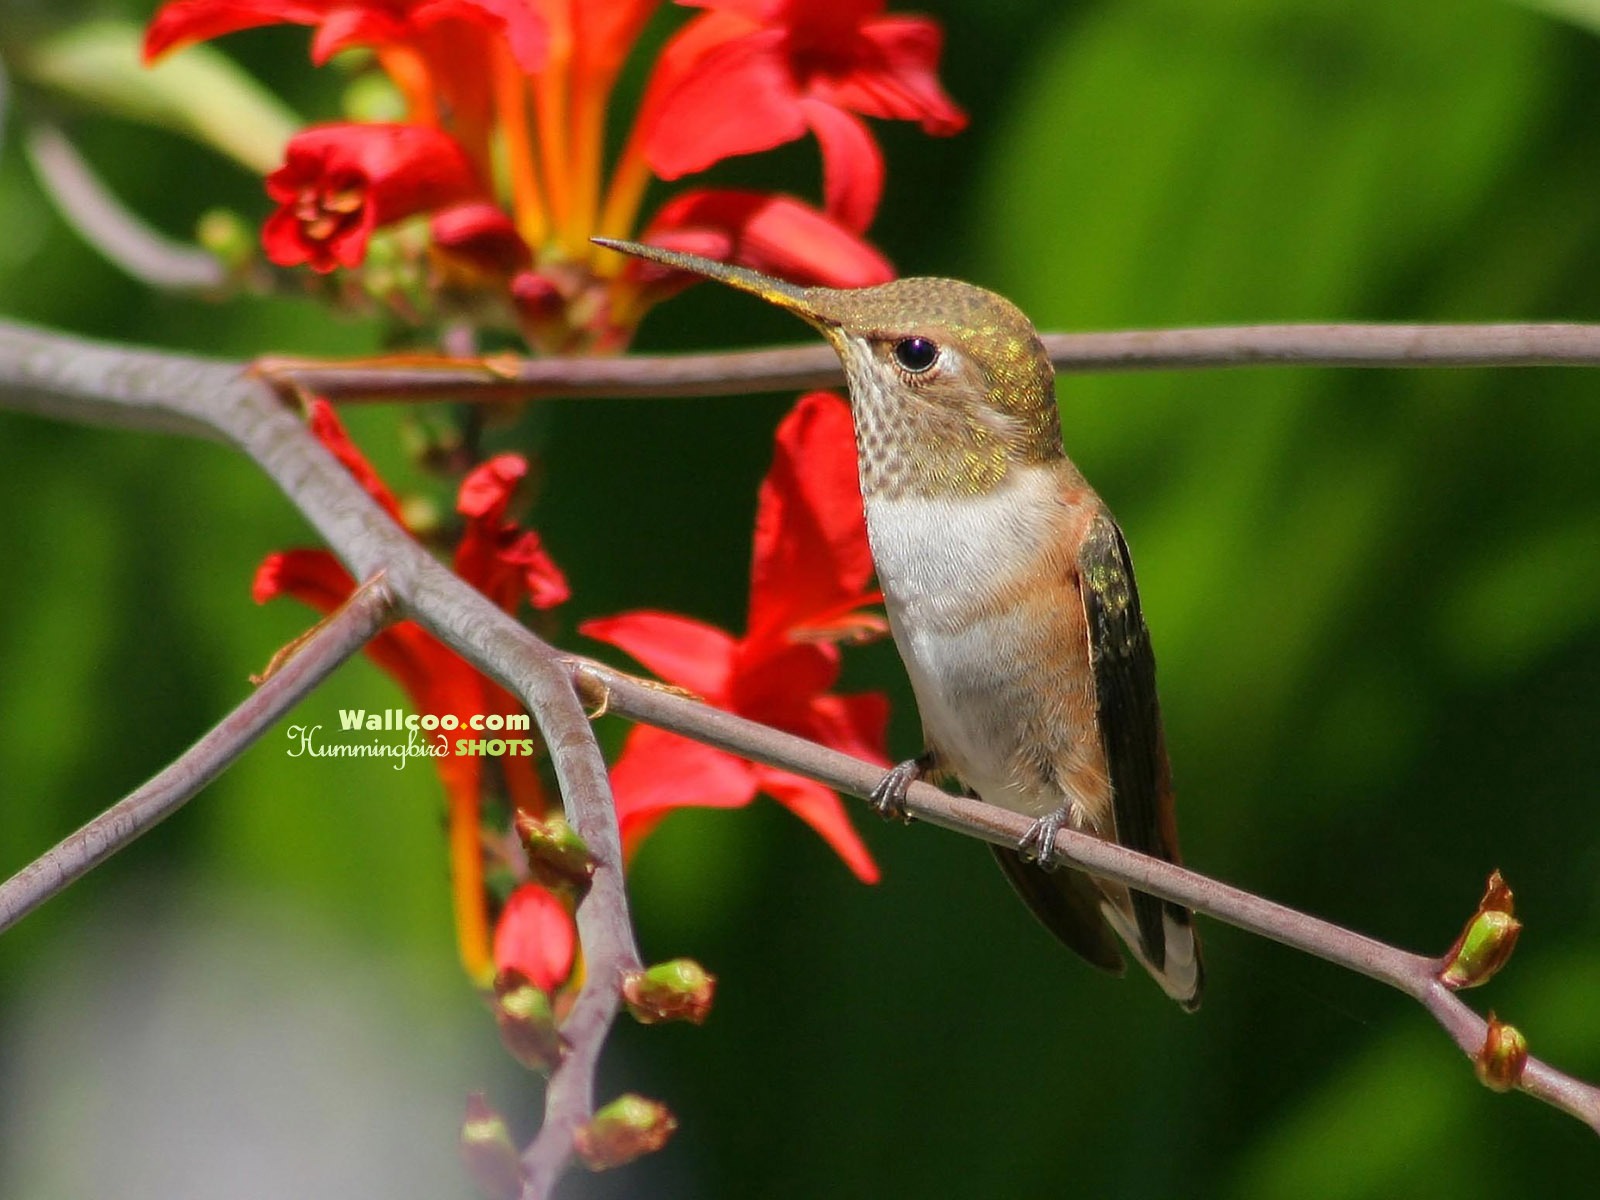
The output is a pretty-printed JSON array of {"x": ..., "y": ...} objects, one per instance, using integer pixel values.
[
  {"x": 68, "y": 378},
  {"x": 1414, "y": 974},
  {"x": 798, "y": 368},
  {"x": 324, "y": 648},
  {"x": 105, "y": 222}
]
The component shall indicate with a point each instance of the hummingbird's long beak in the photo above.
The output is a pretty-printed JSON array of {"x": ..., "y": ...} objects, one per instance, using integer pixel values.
[{"x": 775, "y": 291}]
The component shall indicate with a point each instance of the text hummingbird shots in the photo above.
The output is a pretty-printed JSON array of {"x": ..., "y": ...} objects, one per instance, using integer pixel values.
[{"x": 426, "y": 736}]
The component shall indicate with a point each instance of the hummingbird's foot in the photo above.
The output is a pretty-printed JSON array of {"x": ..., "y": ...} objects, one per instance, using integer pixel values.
[
  {"x": 1038, "y": 845},
  {"x": 889, "y": 797}
]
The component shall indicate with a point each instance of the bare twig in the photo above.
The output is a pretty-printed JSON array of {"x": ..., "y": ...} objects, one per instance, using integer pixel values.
[
  {"x": 1414, "y": 974},
  {"x": 797, "y": 368},
  {"x": 106, "y": 223},
  {"x": 69, "y": 378},
  {"x": 44, "y": 372},
  {"x": 313, "y": 659}
]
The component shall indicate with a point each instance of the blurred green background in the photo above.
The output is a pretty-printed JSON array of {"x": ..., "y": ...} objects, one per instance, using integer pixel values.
[{"x": 1375, "y": 598}]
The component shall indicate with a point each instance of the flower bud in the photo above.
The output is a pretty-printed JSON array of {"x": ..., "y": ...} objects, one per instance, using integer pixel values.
[
  {"x": 1486, "y": 943},
  {"x": 224, "y": 234},
  {"x": 1505, "y": 1052},
  {"x": 625, "y": 1129},
  {"x": 526, "y": 1022},
  {"x": 557, "y": 856},
  {"x": 488, "y": 1152},
  {"x": 678, "y": 990}
]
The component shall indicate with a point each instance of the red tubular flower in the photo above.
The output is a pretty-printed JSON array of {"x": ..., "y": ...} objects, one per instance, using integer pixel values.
[
  {"x": 777, "y": 235},
  {"x": 750, "y": 75},
  {"x": 811, "y": 566},
  {"x": 340, "y": 182},
  {"x": 499, "y": 561},
  {"x": 344, "y": 23}
]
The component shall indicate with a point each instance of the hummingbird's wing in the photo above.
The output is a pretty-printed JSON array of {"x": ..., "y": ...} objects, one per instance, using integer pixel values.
[
  {"x": 1136, "y": 758},
  {"x": 1068, "y": 903}
]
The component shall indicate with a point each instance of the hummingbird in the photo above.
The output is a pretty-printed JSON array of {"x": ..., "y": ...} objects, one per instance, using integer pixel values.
[{"x": 1010, "y": 596}]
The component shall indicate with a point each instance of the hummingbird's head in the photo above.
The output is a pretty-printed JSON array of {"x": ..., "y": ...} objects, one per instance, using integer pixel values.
[{"x": 949, "y": 383}]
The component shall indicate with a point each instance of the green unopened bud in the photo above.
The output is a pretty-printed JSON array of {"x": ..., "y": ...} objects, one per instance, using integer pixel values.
[
  {"x": 1505, "y": 1052},
  {"x": 625, "y": 1129},
  {"x": 557, "y": 856},
  {"x": 677, "y": 990},
  {"x": 226, "y": 235},
  {"x": 1486, "y": 942},
  {"x": 420, "y": 515},
  {"x": 526, "y": 1022},
  {"x": 488, "y": 1152}
]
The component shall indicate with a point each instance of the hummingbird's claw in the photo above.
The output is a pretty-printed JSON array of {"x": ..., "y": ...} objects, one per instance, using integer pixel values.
[
  {"x": 889, "y": 797},
  {"x": 1038, "y": 845}
]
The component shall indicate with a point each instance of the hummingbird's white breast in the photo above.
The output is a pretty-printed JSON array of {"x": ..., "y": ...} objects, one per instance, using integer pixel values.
[{"x": 983, "y": 603}]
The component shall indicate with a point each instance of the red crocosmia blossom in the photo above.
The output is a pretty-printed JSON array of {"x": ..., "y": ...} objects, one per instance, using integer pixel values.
[
  {"x": 535, "y": 937},
  {"x": 340, "y": 182},
  {"x": 753, "y": 74},
  {"x": 502, "y": 560},
  {"x": 344, "y": 23},
  {"x": 436, "y": 680},
  {"x": 777, "y": 235},
  {"x": 811, "y": 567}
]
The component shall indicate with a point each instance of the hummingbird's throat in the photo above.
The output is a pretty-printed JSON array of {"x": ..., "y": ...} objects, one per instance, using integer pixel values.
[{"x": 908, "y": 446}]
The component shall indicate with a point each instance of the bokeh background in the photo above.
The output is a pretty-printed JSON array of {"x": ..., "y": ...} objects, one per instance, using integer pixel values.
[{"x": 1375, "y": 597}]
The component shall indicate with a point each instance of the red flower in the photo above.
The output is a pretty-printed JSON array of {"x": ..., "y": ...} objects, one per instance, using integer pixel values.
[
  {"x": 810, "y": 571},
  {"x": 777, "y": 235},
  {"x": 501, "y": 560},
  {"x": 477, "y": 238},
  {"x": 340, "y": 182},
  {"x": 535, "y": 937},
  {"x": 750, "y": 75},
  {"x": 345, "y": 23},
  {"x": 495, "y": 557}
]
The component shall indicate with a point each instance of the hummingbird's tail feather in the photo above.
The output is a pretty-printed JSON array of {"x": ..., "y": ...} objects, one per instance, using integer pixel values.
[
  {"x": 1181, "y": 971},
  {"x": 1068, "y": 903}
]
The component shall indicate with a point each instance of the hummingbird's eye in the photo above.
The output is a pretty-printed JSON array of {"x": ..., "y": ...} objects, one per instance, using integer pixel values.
[{"x": 916, "y": 354}]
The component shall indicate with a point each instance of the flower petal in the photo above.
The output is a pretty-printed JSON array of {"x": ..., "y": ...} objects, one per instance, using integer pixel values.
[
  {"x": 658, "y": 771},
  {"x": 185, "y": 21},
  {"x": 820, "y": 808},
  {"x": 854, "y": 725},
  {"x": 777, "y": 235},
  {"x": 811, "y": 554},
  {"x": 896, "y": 76},
  {"x": 486, "y": 492},
  {"x": 775, "y": 680},
  {"x": 738, "y": 97},
  {"x": 350, "y": 25},
  {"x": 330, "y": 431},
  {"x": 852, "y": 164},
  {"x": 479, "y": 238},
  {"x": 686, "y": 652},
  {"x": 313, "y": 577},
  {"x": 604, "y": 33},
  {"x": 517, "y": 21},
  {"x": 535, "y": 935}
]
